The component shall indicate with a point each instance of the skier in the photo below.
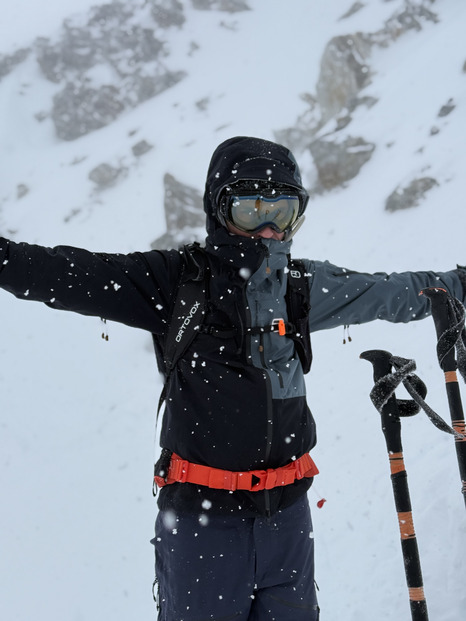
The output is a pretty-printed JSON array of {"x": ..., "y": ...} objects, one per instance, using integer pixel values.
[{"x": 233, "y": 531}]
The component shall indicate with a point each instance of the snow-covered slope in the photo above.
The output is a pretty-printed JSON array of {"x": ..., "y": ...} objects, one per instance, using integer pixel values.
[{"x": 77, "y": 412}]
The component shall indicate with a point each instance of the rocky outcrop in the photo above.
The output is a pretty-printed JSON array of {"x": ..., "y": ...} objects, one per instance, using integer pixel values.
[
  {"x": 105, "y": 176},
  {"x": 107, "y": 62},
  {"x": 168, "y": 13},
  {"x": 344, "y": 72},
  {"x": 354, "y": 8},
  {"x": 410, "y": 195},
  {"x": 184, "y": 215},
  {"x": 115, "y": 57},
  {"x": 410, "y": 17},
  {"x": 229, "y": 6},
  {"x": 9, "y": 61},
  {"x": 79, "y": 109},
  {"x": 141, "y": 148},
  {"x": 447, "y": 108},
  {"x": 106, "y": 37},
  {"x": 21, "y": 190},
  {"x": 339, "y": 161}
]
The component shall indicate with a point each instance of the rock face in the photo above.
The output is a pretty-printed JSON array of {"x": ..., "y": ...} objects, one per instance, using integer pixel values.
[
  {"x": 9, "y": 61},
  {"x": 344, "y": 72},
  {"x": 141, "y": 148},
  {"x": 110, "y": 60},
  {"x": 184, "y": 215},
  {"x": 105, "y": 176},
  {"x": 338, "y": 162},
  {"x": 168, "y": 13},
  {"x": 410, "y": 17},
  {"x": 411, "y": 195},
  {"x": 106, "y": 36},
  {"x": 21, "y": 190},
  {"x": 230, "y": 6},
  {"x": 79, "y": 110},
  {"x": 447, "y": 108},
  {"x": 107, "y": 62},
  {"x": 114, "y": 57}
]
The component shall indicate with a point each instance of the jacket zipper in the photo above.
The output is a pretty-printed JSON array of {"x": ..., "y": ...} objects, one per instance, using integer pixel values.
[
  {"x": 269, "y": 404},
  {"x": 264, "y": 362},
  {"x": 269, "y": 437},
  {"x": 269, "y": 421}
]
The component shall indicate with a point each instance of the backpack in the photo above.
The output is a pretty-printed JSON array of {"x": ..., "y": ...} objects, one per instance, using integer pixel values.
[{"x": 190, "y": 305}]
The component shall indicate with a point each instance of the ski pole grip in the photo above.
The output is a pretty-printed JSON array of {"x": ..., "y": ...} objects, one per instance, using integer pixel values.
[
  {"x": 441, "y": 314},
  {"x": 381, "y": 362},
  {"x": 438, "y": 298}
]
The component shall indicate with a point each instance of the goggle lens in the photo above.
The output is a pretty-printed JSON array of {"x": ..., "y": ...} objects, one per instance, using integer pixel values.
[{"x": 254, "y": 212}]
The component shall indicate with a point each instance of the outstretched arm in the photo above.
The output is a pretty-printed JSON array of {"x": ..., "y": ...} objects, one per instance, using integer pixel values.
[
  {"x": 133, "y": 289},
  {"x": 343, "y": 297}
]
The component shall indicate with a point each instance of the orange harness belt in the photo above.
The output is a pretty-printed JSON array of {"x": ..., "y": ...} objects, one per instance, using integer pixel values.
[{"x": 182, "y": 471}]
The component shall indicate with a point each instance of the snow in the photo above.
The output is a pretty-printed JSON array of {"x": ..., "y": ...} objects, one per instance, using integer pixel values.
[{"x": 77, "y": 412}]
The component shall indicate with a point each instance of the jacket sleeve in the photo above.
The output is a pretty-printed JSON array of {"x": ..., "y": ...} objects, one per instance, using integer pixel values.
[
  {"x": 135, "y": 289},
  {"x": 342, "y": 297}
]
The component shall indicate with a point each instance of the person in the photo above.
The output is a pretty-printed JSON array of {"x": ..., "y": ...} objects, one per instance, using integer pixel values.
[{"x": 233, "y": 535}]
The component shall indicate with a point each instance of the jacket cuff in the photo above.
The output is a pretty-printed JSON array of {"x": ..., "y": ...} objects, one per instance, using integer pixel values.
[
  {"x": 4, "y": 243},
  {"x": 461, "y": 273}
]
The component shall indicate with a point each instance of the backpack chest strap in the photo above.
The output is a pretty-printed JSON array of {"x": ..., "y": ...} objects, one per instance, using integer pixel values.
[{"x": 282, "y": 327}]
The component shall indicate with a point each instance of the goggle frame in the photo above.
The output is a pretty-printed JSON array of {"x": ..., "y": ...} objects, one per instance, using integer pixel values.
[{"x": 256, "y": 191}]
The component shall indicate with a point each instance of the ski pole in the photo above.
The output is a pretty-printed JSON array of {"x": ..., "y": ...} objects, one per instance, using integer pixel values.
[
  {"x": 391, "y": 409},
  {"x": 448, "y": 316}
]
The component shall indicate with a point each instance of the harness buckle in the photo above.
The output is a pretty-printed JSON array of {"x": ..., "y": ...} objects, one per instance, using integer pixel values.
[
  {"x": 261, "y": 476},
  {"x": 179, "y": 470},
  {"x": 267, "y": 479},
  {"x": 278, "y": 325}
]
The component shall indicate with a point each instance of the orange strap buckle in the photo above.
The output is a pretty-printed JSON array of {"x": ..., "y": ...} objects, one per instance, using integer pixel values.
[
  {"x": 182, "y": 471},
  {"x": 280, "y": 323}
]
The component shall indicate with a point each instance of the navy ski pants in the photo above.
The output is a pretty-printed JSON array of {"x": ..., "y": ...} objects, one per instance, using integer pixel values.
[{"x": 217, "y": 568}]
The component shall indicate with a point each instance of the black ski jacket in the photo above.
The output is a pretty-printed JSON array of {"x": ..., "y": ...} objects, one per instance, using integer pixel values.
[{"x": 235, "y": 401}]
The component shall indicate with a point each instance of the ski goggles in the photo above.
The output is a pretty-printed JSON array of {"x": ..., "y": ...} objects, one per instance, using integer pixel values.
[{"x": 252, "y": 211}]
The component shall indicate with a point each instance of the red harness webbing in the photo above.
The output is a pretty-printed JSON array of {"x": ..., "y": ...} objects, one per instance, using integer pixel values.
[{"x": 182, "y": 471}]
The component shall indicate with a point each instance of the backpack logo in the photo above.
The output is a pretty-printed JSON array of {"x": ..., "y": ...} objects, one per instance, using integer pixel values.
[
  {"x": 187, "y": 321},
  {"x": 295, "y": 274}
]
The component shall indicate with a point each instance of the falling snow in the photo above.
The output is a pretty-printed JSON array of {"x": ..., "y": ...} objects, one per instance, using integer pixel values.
[{"x": 76, "y": 413}]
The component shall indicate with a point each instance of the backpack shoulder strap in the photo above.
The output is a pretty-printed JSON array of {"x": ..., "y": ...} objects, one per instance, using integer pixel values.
[
  {"x": 189, "y": 307},
  {"x": 187, "y": 314},
  {"x": 298, "y": 306}
]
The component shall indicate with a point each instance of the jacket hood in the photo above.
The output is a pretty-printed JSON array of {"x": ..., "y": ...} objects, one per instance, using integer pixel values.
[{"x": 246, "y": 158}]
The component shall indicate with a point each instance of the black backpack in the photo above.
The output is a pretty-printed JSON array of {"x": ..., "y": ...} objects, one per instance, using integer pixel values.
[{"x": 190, "y": 307}]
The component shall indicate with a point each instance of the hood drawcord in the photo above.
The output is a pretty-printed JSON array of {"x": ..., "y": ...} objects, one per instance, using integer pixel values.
[
  {"x": 346, "y": 335},
  {"x": 268, "y": 269}
]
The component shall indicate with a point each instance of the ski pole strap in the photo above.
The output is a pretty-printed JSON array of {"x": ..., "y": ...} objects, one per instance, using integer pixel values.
[
  {"x": 182, "y": 471},
  {"x": 385, "y": 387},
  {"x": 449, "y": 318}
]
